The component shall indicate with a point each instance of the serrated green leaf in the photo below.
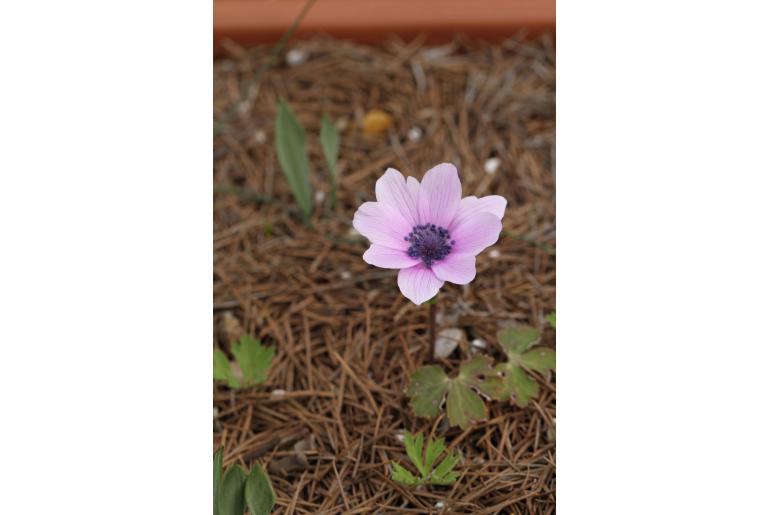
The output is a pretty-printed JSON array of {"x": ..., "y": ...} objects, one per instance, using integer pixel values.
[
  {"x": 253, "y": 358},
  {"x": 217, "y": 479},
  {"x": 403, "y": 476},
  {"x": 292, "y": 155},
  {"x": 551, "y": 317},
  {"x": 464, "y": 406},
  {"x": 517, "y": 384},
  {"x": 231, "y": 493},
  {"x": 427, "y": 389},
  {"x": 222, "y": 370},
  {"x": 330, "y": 144},
  {"x": 517, "y": 339},
  {"x": 430, "y": 384},
  {"x": 258, "y": 491},
  {"x": 432, "y": 451},
  {"x": 443, "y": 474},
  {"x": 539, "y": 359},
  {"x": 413, "y": 444}
]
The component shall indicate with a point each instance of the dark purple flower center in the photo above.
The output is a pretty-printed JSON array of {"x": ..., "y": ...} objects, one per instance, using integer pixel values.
[{"x": 429, "y": 243}]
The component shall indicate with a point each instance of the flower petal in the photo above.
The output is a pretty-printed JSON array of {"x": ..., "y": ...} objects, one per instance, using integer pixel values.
[
  {"x": 382, "y": 225},
  {"x": 494, "y": 204},
  {"x": 391, "y": 189},
  {"x": 477, "y": 232},
  {"x": 440, "y": 193},
  {"x": 456, "y": 268},
  {"x": 413, "y": 185},
  {"x": 418, "y": 283},
  {"x": 385, "y": 257}
]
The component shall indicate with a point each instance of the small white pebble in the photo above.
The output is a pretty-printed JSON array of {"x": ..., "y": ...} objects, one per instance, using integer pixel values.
[
  {"x": 492, "y": 164},
  {"x": 414, "y": 134},
  {"x": 478, "y": 343},
  {"x": 296, "y": 56},
  {"x": 400, "y": 435},
  {"x": 278, "y": 393},
  {"x": 346, "y": 275},
  {"x": 319, "y": 196},
  {"x": 447, "y": 341},
  {"x": 341, "y": 124},
  {"x": 438, "y": 505},
  {"x": 494, "y": 253},
  {"x": 216, "y": 412},
  {"x": 260, "y": 136}
]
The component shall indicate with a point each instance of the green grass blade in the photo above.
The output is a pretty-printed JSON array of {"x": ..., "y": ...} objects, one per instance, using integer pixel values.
[
  {"x": 217, "y": 479},
  {"x": 292, "y": 155},
  {"x": 330, "y": 144}
]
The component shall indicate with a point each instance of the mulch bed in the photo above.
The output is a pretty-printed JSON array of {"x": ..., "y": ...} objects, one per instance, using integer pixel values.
[{"x": 327, "y": 422}]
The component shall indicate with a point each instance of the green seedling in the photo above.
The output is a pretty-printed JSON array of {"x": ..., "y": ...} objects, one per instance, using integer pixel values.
[
  {"x": 253, "y": 359},
  {"x": 441, "y": 475},
  {"x": 234, "y": 490}
]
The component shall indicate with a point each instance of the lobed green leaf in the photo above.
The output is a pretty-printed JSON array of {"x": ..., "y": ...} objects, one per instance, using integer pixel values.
[{"x": 253, "y": 358}]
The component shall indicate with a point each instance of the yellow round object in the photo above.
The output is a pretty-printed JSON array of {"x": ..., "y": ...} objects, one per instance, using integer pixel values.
[{"x": 377, "y": 122}]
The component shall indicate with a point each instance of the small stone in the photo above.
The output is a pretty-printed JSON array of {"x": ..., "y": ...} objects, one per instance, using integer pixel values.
[
  {"x": 296, "y": 56},
  {"x": 346, "y": 275},
  {"x": 400, "y": 435},
  {"x": 414, "y": 133},
  {"x": 260, "y": 136},
  {"x": 438, "y": 505},
  {"x": 447, "y": 341},
  {"x": 319, "y": 196},
  {"x": 492, "y": 164},
  {"x": 278, "y": 394},
  {"x": 494, "y": 253},
  {"x": 478, "y": 343}
]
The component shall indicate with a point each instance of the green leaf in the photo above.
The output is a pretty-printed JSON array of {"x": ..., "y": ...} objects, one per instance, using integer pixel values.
[
  {"x": 517, "y": 339},
  {"x": 217, "y": 479},
  {"x": 292, "y": 155},
  {"x": 330, "y": 144},
  {"x": 427, "y": 389},
  {"x": 259, "y": 493},
  {"x": 413, "y": 446},
  {"x": 551, "y": 317},
  {"x": 433, "y": 451},
  {"x": 231, "y": 492},
  {"x": 222, "y": 370},
  {"x": 430, "y": 385},
  {"x": 403, "y": 476},
  {"x": 253, "y": 358},
  {"x": 442, "y": 475},
  {"x": 516, "y": 383}
]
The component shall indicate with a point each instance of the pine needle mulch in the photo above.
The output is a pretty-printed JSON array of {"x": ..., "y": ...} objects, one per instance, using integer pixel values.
[{"x": 327, "y": 423}]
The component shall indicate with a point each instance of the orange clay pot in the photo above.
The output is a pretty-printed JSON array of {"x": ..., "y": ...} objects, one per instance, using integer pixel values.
[{"x": 372, "y": 21}]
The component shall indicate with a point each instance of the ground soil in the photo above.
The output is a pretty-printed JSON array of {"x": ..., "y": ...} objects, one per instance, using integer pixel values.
[{"x": 326, "y": 424}]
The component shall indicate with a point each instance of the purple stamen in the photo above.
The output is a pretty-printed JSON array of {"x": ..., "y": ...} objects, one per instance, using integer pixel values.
[{"x": 429, "y": 243}]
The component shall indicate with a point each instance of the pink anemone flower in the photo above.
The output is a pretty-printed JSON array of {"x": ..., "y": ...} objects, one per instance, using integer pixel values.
[{"x": 427, "y": 230}]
